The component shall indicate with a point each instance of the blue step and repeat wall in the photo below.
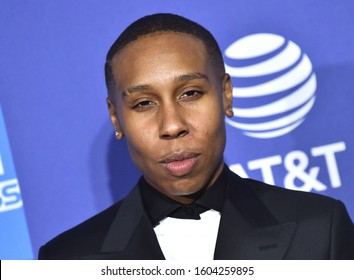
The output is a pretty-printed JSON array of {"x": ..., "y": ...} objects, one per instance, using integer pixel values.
[{"x": 292, "y": 66}]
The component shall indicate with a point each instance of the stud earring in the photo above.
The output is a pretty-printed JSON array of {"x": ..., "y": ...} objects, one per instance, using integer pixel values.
[
  {"x": 229, "y": 112},
  {"x": 117, "y": 133}
]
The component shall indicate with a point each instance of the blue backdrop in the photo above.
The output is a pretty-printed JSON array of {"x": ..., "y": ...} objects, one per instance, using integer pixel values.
[{"x": 292, "y": 65}]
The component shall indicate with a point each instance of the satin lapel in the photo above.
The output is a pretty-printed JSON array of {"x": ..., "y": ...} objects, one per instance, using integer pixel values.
[
  {"x": 131, "y": 235},
  {"x": 247, "y": 229}
]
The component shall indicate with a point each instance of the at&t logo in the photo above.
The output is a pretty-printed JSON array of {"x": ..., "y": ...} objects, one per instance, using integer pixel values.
[
  {"x": 300, "y": 173},
  {"x": 274, "y": 85}
]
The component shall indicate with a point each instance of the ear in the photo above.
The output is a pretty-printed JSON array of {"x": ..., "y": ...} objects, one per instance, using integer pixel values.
[
  {"x": 114, "y": 119},
  {"x": 227, "y": 95}
]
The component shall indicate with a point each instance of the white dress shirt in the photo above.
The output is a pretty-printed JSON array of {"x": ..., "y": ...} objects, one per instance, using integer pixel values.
[{"x": 188, "y": 239}]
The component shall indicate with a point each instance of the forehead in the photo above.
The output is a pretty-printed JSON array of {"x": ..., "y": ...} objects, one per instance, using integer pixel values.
[
  {"x": 159, "y": 55},
  {"x": 163, "y": 40}
]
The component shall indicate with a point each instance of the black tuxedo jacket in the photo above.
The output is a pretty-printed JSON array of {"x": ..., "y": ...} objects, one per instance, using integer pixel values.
[{"x": 258, "y": 222}]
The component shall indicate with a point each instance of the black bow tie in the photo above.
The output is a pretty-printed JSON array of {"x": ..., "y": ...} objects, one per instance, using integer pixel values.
[{"x": 191, "y": 211}]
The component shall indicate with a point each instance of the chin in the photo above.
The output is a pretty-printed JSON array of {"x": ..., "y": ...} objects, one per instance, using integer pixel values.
[{"x": 183, "y": 191}]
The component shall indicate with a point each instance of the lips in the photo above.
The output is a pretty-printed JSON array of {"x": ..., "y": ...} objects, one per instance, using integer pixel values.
[{"x": 179, "y": 164}]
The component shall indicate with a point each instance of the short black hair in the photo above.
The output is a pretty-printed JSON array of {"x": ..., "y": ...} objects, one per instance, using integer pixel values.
[{"x": 163, "y": 22}]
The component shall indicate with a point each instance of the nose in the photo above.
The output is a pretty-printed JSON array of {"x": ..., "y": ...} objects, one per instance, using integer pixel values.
[{"x": 173, "y": 123}]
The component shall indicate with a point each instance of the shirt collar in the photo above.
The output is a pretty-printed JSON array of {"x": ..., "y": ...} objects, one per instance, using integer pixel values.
[{"x": 158, "y": 206}]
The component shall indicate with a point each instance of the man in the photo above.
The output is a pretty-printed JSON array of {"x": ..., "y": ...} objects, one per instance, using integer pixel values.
[{"x": 168, "y": 94}]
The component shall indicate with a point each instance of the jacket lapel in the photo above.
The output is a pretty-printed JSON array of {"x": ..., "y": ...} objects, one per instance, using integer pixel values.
[
  {"x": 131, "y": 235},
  {"x": 247, "y": 229}
]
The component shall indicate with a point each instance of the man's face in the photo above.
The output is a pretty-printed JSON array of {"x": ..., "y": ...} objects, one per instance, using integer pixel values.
[{"x": 169, "y": 103}]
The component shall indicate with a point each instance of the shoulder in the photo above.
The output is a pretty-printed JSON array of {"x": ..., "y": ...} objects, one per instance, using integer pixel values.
[
  {"x": 323, "y": 223},
  {"x": 288, "y": 204},
  {"x": 266, "y": 191},
  {"x": 83, "y": 239}
]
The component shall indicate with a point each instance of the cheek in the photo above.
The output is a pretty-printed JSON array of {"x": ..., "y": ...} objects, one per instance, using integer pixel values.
[
  {"x": 211, "y": 122},
  {"x": 141, "y": 153},
  {"x": 141, "y": 139}
]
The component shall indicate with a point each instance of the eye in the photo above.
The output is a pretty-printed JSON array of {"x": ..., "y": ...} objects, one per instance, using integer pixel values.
[
  {"x": 191, "y": 94},
  {"x": 143, "y": 105}
]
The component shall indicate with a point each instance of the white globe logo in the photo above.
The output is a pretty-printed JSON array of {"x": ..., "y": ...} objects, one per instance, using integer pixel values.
[{"x": 274, "y": 85}]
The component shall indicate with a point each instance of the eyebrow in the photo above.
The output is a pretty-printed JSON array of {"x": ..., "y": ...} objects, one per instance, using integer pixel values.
[
  {"x": 133, "y": 89},
  {"x": 182, "y": 78},
  {"x": 192, "y": 76}
]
